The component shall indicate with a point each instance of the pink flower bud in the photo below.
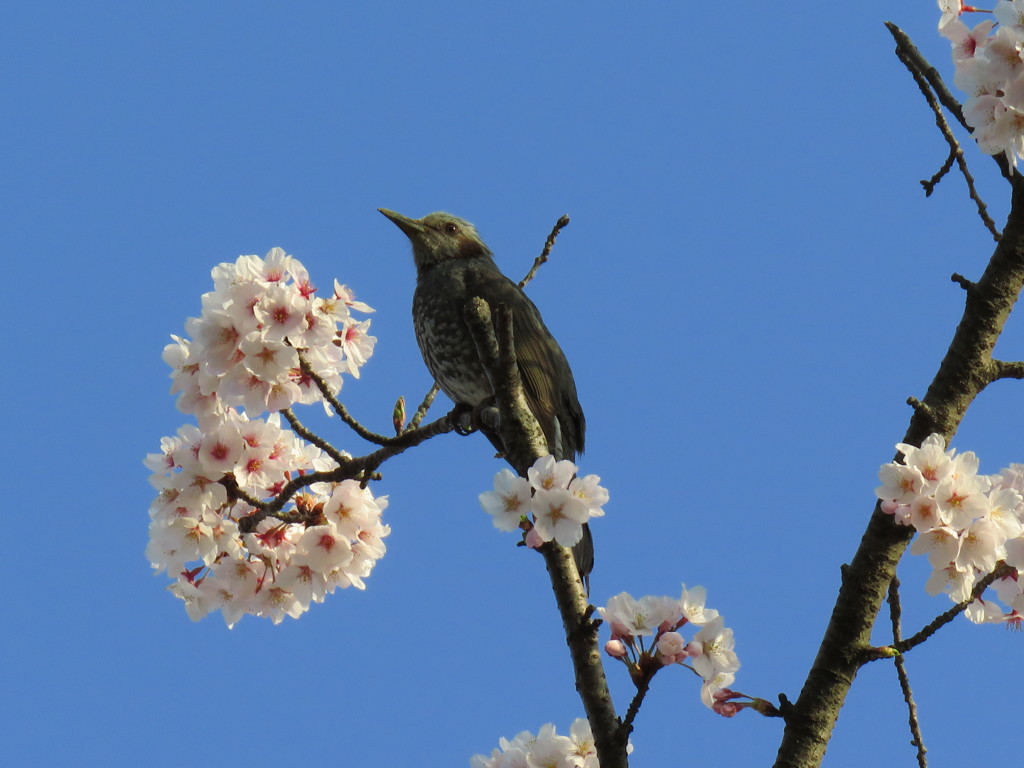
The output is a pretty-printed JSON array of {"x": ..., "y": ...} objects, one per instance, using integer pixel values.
[
  {"x": 533, "y": 539},
  {"x": 671, "y": 648},
  {"x": 615, "y": 648},
  {"x": 889, "y": 506},
  {"x": 725, "y": 708}
]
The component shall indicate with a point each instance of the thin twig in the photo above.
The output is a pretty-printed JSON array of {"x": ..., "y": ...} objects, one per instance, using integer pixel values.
[
  {"x": 920, "y": 64},
  {"x": 931, "y": 86},
  {"x": 548, "y": 244},
  {"x": 311, "y": 437},
  {"x": 421, "y": 412},
  {"x": 339, "y": 407},
  {"x": 895, "y": 612},
  {"x": 348, "y": 469},
  {"x": 947, "y": 616},
  {"x": 634, "y": 706},
  {"x": 930, "y": 184}
]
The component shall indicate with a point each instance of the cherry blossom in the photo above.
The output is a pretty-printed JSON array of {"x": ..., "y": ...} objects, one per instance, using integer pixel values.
[{"x": 966, "y": 523}]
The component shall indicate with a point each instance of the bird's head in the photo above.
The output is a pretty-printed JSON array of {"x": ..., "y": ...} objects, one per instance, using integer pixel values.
[{"x": 439, "y": 237}]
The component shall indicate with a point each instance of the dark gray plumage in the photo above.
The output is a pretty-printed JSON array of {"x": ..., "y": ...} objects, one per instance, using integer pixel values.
[{"x": 453, "y": 265}]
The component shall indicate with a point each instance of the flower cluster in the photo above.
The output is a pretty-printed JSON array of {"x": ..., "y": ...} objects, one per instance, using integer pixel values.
[
  {"x": 547, "y": 748},
  {"x": 966, "y": 523},
  {"x": 989, "y": 62},
  {"x": 206, "y": 530},
  {"x": 245, "y": 346},
  {"x": 710, "y": 653},
  {"x": 559, "y": 501}
]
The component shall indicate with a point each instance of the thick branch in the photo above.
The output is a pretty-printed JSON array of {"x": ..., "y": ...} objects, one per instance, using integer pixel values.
[
  {"x": 524, "y": 444},
  {"x": 962, "y": 375}
]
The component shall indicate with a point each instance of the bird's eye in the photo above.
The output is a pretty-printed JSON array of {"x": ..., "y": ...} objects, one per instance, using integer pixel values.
[{"x": 451, "y": 228}]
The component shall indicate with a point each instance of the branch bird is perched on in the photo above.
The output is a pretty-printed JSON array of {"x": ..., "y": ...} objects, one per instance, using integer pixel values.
[{"x": 453, "y": 266}]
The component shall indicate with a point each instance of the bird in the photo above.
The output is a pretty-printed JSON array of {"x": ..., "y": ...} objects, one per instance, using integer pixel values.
[{"x": 453, "y": 265}]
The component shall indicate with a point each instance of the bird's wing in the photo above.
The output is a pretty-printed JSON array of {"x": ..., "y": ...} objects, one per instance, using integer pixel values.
[{"x": 547, "y": 379}]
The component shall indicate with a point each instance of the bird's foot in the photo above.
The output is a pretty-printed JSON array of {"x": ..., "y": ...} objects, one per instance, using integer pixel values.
[
  {"x": 462, "y": 419},
  {"x": 486, "y": 415}
]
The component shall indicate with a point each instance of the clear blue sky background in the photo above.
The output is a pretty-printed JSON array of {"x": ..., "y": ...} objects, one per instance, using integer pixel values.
[{"x": 751, "y": 287}]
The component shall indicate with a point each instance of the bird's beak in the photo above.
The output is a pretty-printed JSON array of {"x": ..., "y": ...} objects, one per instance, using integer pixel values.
[{"x": 412, "y": 227}]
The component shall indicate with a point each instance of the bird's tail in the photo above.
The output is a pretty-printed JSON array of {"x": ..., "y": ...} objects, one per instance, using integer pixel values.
[{"x": 583, "y": 554}]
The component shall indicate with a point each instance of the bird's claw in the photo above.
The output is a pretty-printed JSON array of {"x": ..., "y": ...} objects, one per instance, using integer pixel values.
[{"x": 462, "y": 420}]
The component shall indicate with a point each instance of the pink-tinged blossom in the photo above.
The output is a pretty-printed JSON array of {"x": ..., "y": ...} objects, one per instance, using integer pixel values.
[
  {"x": 930, "y": 459},
  {"x": 583, "y": 749},
  {"x": 349, "y": 508},
  {"x": 278, "y": 569},
  {"x": 984, "y": 612},
  {"x": 691, "y": 604},
  {"x": 900, "y": 483},
  {"x": 625, "y": 617},
  {"x": 1008, "y": 589},
  {"x": 276, "y": 603},
  {"x": 509, "y": 502},
  {"x": 981, "y": 546},
  {"x": 357, "y": 345},
  {"x": 534, "y": 539},
  {"x": 588, "y": 490},
  {"x": 629, "y": 617},
  {"x": 1015, "y": 553},
  {"x": 671, "y": 648},
  {"x": 197, "y": 605},
  {"x": 951, "y": 580},
  {"x": 221, "y": 450},
  {"x": 989, "y": 63},
  {"x": 348, "y": 296},
  {"x": 966, "y": 41},
  {"x": 961, "y": 498},
  {"x": 925, "y": 514},
  {"x": 1010, "y": 13},
  {"x": 268, "y": 360},
  {"x": 323, "y": 549},
  {"x": 1006, "y": 508},
  {"x": 712, "y": 685},
  {"x": 308, "y": 586},
  {"x": 717, "y": 654},
  {"x": 559, "y": 516},
  {"x": 547, "y": 474},
  {"x": 547, "y": 749},
  {"x": 941, "y": 544}
]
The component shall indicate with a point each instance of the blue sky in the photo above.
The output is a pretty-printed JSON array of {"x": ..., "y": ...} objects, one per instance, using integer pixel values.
[{"x": 751, "y": 286}]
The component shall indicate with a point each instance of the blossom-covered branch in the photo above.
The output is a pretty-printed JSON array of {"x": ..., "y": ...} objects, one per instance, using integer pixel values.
[
  {"x": 251, "y": 517},
  {"x": 965, "y": 371}
]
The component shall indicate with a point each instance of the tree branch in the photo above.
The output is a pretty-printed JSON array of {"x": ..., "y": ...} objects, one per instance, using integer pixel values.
[
  {"x": 1007, "y": 370},
  {"x": 931, "y": 86},
  {"x": 524, "y": 444},
  {"x": 962, "y": 375},
  {"x": 339, "y": 407},
  {"x": 348, "y": 469},
  {"x": 947, "y": 616},
  {"x": 895, "y": 612},
  {"x": 421, "y": 412},
  {"x": 561, "y": 224}
]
